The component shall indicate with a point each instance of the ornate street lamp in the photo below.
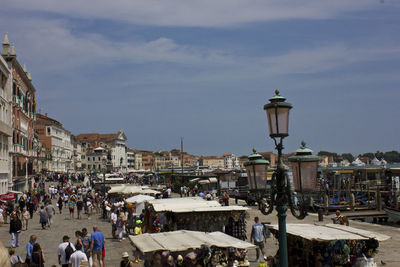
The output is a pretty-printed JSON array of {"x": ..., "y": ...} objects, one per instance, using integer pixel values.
[
  {"x": 304, "y": 169},
  {"x": 281, "y": 194},
  {"x": 256, "y": 169}
]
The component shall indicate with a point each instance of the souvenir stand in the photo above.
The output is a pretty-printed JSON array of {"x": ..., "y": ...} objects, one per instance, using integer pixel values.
[
  {"x": 136, "y": 203},
  {"x": 195, "y": 214},
  {"x": 329, "y": 245},
  {"x": 190, "y": 248},
  {"x": 131, "y": 190}
]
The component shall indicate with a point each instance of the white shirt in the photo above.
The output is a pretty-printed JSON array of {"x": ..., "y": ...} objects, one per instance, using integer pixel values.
[
  {"x": 61, "y": 251},
  {"x": 77, "y": 257},
  {"x": 114, "y": 217}
]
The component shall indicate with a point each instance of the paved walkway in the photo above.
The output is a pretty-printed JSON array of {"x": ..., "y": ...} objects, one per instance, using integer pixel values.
[{"x": 49, "y": 239}]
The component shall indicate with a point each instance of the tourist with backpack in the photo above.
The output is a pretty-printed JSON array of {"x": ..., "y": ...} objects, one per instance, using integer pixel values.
[
  {"x": 71, "y": 206},
  {"x": 65, "y": 250}
]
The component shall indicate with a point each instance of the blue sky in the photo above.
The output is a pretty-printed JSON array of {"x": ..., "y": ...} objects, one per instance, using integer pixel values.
[{"x": 204, "y": 69}]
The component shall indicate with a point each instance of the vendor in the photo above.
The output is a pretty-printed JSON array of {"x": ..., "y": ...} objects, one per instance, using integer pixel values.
[{"x": 339, "y": 219}]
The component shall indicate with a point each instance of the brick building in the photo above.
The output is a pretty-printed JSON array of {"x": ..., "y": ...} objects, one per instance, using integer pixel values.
[
  {"x": 22, "y": 150},
  {"x": 5, "y": 125}
]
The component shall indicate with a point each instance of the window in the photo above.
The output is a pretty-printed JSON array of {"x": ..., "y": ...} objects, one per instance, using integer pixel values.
[{"x": 48, "y": 131}]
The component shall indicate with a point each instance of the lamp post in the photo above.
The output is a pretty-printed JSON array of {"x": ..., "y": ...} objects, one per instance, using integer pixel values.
[
  {"x": 104, "y": 162},
  {"x": 281, "y": 194}
]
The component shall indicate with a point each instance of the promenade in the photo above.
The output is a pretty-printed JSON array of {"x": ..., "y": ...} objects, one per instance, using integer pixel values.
[{"x": 49, "y": 239}]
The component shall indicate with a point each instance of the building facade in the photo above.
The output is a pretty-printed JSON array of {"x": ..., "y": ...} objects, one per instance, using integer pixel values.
[
  {"x": 97, "y": 159},
  {"x": 23, "y": 102},
  {"x": 5, "y": 127},
  {"x": 115, "y": 143},
  {"x": 57, "y": 141},
  {"x": 230, "y": 161},
  {"x": 211, "y": 161},
  {"x": 138, "y": 160},
  {"x": 130, "y": 158}
]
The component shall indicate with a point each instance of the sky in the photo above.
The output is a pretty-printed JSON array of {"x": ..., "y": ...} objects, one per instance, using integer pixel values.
[{"x": 202, "y": 70}]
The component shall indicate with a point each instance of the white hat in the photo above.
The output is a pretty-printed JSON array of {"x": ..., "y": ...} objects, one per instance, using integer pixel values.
[{"x": 125, "y": 254}]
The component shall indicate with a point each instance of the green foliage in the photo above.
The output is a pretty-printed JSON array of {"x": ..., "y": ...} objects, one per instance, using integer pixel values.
[
  {"x": 392, "y": 156},
  {"x": 348, "y": 156},
  {"x": 369, "y": 155}
]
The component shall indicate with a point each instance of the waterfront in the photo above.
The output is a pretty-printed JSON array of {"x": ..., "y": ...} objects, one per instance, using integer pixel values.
[{"x": 49, "y": 239}]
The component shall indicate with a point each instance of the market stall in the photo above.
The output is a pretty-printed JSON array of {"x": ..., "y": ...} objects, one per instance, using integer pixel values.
[
  {"x": 132, "y": 190},
  {"x": 136, "y": 203},
  {"x": 195, "y": 214},
  {"x": 329, "y": 245},
  {"x": 189, "y": 248}
]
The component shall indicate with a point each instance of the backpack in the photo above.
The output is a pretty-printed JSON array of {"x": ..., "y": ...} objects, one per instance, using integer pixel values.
[{"x": 68, "y": 251}]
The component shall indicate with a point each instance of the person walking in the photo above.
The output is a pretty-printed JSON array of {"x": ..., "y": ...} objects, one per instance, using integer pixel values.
[
  {"x": 71, "y": 206},
  {"x": 79, "y": 208},
  {"x": 60, "y": 204},
  {"x": 15, "y": 229},
  {"x": 126, "y": 262},
  {"x": 77, "y": 257},
  {"x": 259, "y": 236},
  {"x": 113, "y": 218},
  {"x": 38, "y": 258},
  {"x": 14, "y": 259},
  {"x": 25, "y": 218},
  {"x": 120, "y": 226},
  {"x": 29, "y": 248},
  {"x": 31, "y": 207},
  {"x": 43, "y": 217},
  {"x": 63, "y": 249},
  {"x": 50, "y": 212},
  {"x": 86, "y": 240},
  {"x": 97, "y": 245}
]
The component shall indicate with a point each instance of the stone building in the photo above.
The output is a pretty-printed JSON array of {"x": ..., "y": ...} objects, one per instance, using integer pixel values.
[
  {"x": 114, "y": 143},
  {"x": 5, "y": 125},
  {"x": 138, "y": 160},
  {"x": 230, "y": 161},
  {"x": 57, "y": 140},
  {"x": 23, "y": 102},
  {"x": 130, "y": 157},
  {"x": 211, "y": 161}
]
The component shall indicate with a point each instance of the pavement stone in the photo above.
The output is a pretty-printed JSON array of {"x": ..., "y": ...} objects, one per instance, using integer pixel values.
[{"x": 49, "y": 239}]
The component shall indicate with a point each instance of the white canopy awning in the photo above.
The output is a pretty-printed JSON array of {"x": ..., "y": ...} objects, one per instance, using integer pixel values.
[
  {"x": 184, "y": 240},
  {"x": 324, "y": 232},
  {"x": 365, "y": 233},
  {"x": 139, "y": 198},
  {"x": 190, "y": 204}
]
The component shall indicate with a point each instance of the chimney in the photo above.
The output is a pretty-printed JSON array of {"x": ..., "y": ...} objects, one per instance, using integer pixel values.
[
  {"x": 25, "y": 68},
  {"x": 6, "y": 46},
  {"x": 45, "y": 114}
]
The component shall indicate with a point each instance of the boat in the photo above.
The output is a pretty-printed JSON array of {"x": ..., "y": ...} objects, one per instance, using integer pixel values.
[{"x": 393, "y": 214}]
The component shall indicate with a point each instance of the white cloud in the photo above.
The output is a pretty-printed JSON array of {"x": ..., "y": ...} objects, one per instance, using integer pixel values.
[{"x": 203, "y": 13}]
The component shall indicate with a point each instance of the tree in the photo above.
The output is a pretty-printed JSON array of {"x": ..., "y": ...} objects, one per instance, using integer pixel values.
[
  {"x": 379, "y": 155},
  {"x": 348, "y": 156},
  {"x": 392, "y": 156},
  {"x": 369, "y": 155}
]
